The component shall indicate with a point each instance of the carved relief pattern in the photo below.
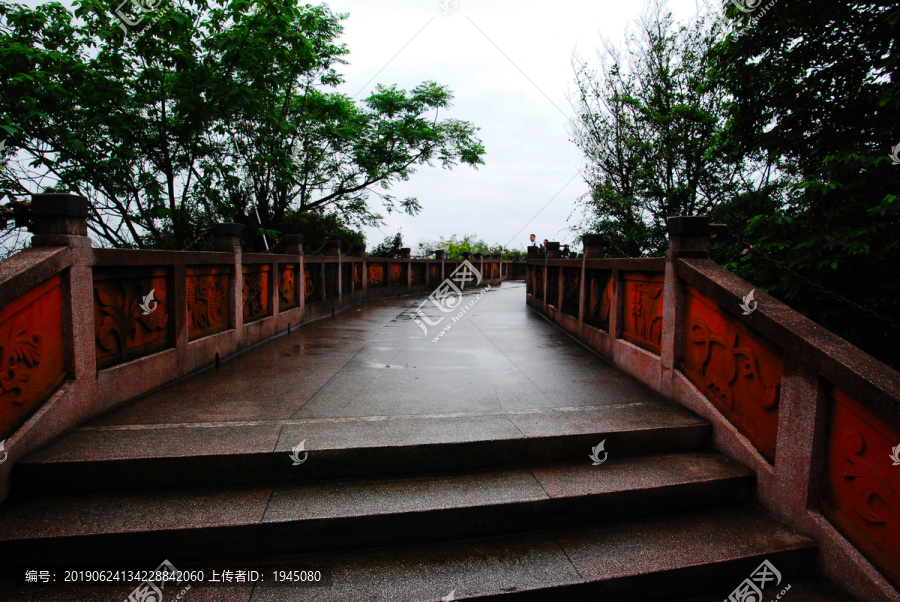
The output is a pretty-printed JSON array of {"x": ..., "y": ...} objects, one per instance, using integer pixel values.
[
  {"x": 434, "y": 272},
  {"x": 287, "y": 287},
  {"x": 643, "y": 310},
  {"x": 598, "y": 292},
  {"x": 495, "y": 270},
  {"x": 862, "y": 491},
  {"x": 256, "y": 291},
  {"x": 331, "y": 280},
  {"x": 312, "y": 283},
  {"x": 571, "y": 290},
  {"x": 31, "y": 353},
  {"x": 398, "y": 274},
  {"x": 207, "y": 299},
  {"x": 538, "y": 286},
  {"x": 346, "y": 278},
  {"x": 737, "y": 370},
  {"x": 376, "y": 275},
  {"x": 123, "y": 331},
  {"x": 553, "y": 286},
  {"x": 357, "y": 274},
  {"x": 418, "y": 273}
]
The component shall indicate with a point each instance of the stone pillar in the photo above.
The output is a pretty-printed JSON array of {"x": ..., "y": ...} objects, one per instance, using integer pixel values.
[
  {"x": 293, "y": 244},
  {"x": 687, "y": 236},
  {"x": 358, "y": 251},
  {"x": 594, "y": 246},
  {"x": 404, "y": 253},
  {"x": 552, "y": 250},
  {"x": 226, "y": 236},
  {"x": 439, "y": 255},
  {"x": 467, "y": 256},
  {"x": 333, "y": 248},
  {"x": 533, "y": 253},
  {"x": 59, "y": 220}
]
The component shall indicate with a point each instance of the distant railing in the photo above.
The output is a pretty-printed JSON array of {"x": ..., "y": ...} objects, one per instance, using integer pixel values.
[
  {"x": 84, "y": 329},
  {"x": 816, "y": 418}
]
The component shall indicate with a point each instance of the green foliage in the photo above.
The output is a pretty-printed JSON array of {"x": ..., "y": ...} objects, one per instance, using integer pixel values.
[
  {"x": 215, "y": 111},
  {"x": 318, "y": 228},
  {"x": 454, "y": 247},
  {"x": 389, "y": 248},
  {"x": 821, "y": 101},
  {"x": 651, "y": 124}
]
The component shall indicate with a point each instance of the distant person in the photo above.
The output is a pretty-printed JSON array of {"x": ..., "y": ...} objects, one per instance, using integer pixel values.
[
  {"x": 534, "y": 243},
  {"x": 544, "y": 247}
]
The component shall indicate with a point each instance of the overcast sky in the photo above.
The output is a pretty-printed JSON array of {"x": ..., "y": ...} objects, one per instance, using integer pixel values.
[{"x": 508, "y": 63}]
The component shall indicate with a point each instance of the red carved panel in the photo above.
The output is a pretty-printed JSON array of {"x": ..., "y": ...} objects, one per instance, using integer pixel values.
[
  {"x": 553, "y": 286},
  {"x": 32, "y": 365},
  {"x": 571, "y": 291},
  {"x": 537, "y": 275},
  {"x": 598, "y": 293},
  {"x": 376, "y": 275},
  {"x": 398, "y": 273},
  {"x": 434, "y": 272},
  {"x": 738, "y": 370},
  {"x": 127, "y": 323},
  {"x": 495, "y": 270},
  {"x": 861, "y": 494},
  {"x": 331, "y": 280},
  {"x": 288, "y": 291},
  {"x": 418, "y": 273},
  {"x": 346, "y": 278},
  {"x": 643, "y": 309},
  {"x": 207, "y": 299},
  {"x": 312, "y": 283},
  {"x": 256, "y": 291},
  {"x": 357, "y": 275}
]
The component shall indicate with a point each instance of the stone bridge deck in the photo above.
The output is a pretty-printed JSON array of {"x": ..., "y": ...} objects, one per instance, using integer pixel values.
[{"x": 436, "y": 470}]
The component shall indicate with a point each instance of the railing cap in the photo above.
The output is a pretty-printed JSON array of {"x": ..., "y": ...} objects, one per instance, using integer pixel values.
[
  {"x": 292, "y": 239},
  {"x": 694, "y": 225},
  {"x": 333, "y": 244},
  {"x": 593, "y": 239},
  {"x": 225, "y": 229},
  {"x": 58, "y": 204}
]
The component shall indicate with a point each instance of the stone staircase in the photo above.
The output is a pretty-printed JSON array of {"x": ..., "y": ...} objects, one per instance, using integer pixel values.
[{"x": 504, "y": 505}]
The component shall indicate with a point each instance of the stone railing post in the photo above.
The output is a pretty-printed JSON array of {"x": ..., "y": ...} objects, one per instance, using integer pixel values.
[
  {"x": 293, "y": 244},
  {"x": 687, "y": 239},
  {"x": 226, "y": 237},
  {"x": 594, "y": 246},
  {"x": 59, "y": 220},
  {"x": 358, "y": 251},
  {"x": 552, "y": 250},
  {"x": 333, "y": 248}
]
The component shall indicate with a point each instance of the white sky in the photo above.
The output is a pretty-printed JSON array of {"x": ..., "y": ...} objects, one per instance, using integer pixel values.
[
  {"x": 508, "y": 63},
  {"x": 512, "y": 79}
]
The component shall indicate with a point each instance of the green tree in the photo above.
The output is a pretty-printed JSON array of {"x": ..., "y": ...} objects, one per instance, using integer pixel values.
[
  {"x": 650, "y": 123},
  {"x": 216, "y": 110},
  {"x": 389, "y": 248},
  {"x": 816, "y": 89}
]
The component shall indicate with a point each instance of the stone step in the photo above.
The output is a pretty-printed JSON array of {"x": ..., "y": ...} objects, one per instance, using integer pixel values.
[
  {"x": 164, "y": 456},
  {"x": 708, "y": 552},
  {"x": 342, "y": 514}
]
